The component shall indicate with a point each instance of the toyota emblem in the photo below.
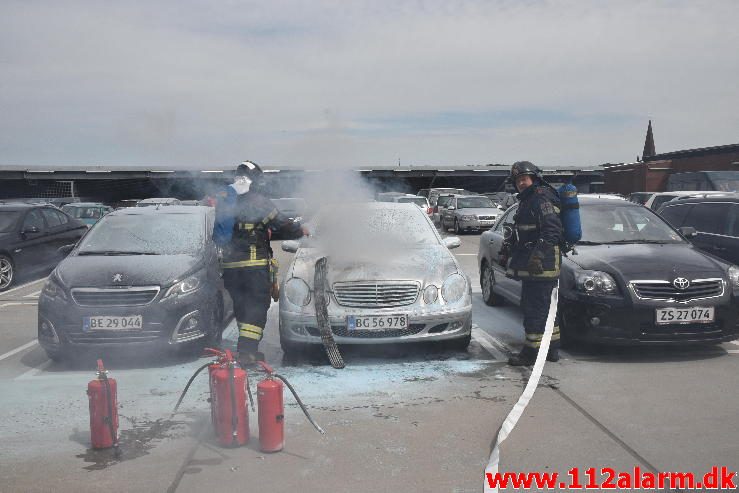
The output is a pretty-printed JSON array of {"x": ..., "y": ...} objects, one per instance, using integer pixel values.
[
  {"x": 681, "y": 283},
  {"x": 117, "y": 277}
]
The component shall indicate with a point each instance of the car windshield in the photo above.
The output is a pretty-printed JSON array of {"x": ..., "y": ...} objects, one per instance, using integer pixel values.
[
  {"x": 631, "y": 224},
  {"x": 360, "y": 228},
  {"x": 83, "y": 212},
  {"x": 475, "y": 203},
  {"x": 8, "y": 220},
  {"x": 444, "y": 201},
  {"x": 146, "y": 234},
  {"x": 419, "y": 201}
]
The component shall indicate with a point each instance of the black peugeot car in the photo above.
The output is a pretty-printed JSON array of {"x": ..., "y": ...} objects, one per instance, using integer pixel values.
[
  {"x": 142, "y": 276},
  {"x": 631, "y": 279},
  {"x": 32, "y": 237}
]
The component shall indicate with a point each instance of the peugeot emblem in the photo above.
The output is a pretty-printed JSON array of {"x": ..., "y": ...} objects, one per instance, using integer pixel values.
[
  {"x": 119, "y": 278},
  {"x": 681, "y": 283}
]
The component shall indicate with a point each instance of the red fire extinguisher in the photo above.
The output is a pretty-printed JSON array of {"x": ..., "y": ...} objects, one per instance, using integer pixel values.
[
  {"x": 103, "y": 401},
  {"x": 228, "y": 401},
  {"x": 272, "y": 410}
]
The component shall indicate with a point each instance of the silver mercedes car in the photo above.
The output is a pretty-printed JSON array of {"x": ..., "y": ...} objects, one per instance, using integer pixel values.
[{"x": 391, "y": 278}]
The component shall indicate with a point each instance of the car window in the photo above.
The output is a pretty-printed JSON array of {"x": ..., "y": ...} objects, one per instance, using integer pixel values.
[
  {"x": 8, "y": 220},
  {"x": 158, "y": 234},
  {"x": 507, "y": 218},
  {"x": 733, "y": 226},
  {"x": 675, "y": 214},
  {"x": 708, "y": 217},
  {"x": 444, "y": 201},
  {"x": 475, "y": 203},
  {"x": 63, "y": 218},
  {"x": 606, "y": 224},
  {"x": 52, "y": 219},
  {"x": 661, "y": 199},
  {"x": 33, "y": 219}
]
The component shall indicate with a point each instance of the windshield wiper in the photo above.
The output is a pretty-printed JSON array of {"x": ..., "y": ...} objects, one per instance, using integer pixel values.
[
  {"x": 113, "y": 252},
  {"x": 640, "y": 241}
]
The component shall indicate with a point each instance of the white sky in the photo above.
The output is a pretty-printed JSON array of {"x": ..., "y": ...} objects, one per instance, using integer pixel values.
[{"x": 356, "y": 84}]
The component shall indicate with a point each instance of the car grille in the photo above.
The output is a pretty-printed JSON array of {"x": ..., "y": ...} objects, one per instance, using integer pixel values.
[
  {"x": 342, "y": 331},
  {"x": 376, "y": 294},
  {"x": 664, "y": 290},
  {"x": 129, "y": 296},
  {"x": 486, "y": 218}
]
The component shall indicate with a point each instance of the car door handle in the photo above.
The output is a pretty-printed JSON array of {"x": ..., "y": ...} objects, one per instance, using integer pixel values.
[{"x": 718, "y": 248}]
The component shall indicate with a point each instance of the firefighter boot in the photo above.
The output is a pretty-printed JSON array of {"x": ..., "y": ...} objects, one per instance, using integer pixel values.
[
  {"x": 248, "y": 354},
  {"x": 553, "y": 353},
  {"x": 526, "y": 357}
]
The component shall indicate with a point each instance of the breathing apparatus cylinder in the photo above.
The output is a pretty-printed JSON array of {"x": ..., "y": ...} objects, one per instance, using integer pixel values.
[{"x": 570, "y": 213}]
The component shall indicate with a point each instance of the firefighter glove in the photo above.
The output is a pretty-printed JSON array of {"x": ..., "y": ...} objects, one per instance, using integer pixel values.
[{"x": 535, "y": 266}]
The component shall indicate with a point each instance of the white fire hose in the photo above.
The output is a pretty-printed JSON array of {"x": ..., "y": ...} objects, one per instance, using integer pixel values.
[{"x": 515, "y": 414}]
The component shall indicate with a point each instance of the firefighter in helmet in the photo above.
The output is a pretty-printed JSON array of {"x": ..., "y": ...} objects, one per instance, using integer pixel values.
[
  {"x": 243, "y": 219},
  {"x": 531, "y": 253}
]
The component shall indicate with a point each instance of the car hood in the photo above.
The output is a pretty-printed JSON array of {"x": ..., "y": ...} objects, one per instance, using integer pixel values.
[
  {"x": 136, "y": 270},
  {"x": 428, "y": 265},
  {"x": 653, "y": 262},
  {"x": 487, "y": 211}
]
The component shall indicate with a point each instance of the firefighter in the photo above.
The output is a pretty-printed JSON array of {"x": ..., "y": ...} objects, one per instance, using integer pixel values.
[
  {"x": 243, "y": 219},
  {"x": 531, "y": 253}
]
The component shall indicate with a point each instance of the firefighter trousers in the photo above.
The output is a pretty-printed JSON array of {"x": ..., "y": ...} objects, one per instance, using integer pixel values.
[
  {"x": 250, "y": 290},
  {"x": 535, "y": 299}
]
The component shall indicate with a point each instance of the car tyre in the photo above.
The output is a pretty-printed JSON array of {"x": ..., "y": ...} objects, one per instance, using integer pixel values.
[
  {"x": 487, "y": 281},
  {"x": 457, "y": 231},
  {"x": 7, "y": 272}
]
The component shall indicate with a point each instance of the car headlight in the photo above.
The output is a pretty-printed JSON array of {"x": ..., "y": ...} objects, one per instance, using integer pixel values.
[
  {"x": 453, "y": 288},
  {"x": 297, "y": 291},
  {"x": 595, "y": 282},
  {"x": 53, "y": 288},
  {"x": 468, "y": 218},
  {"x": 734, "y": 276},
  {"x": 185, "y": 286},
  {"x": 430, "y": 294}
]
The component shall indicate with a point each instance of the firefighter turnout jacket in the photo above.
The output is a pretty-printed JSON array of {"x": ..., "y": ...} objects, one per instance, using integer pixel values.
[
  {"x": 538, "y": 235},
  {"x": 242, "y": 228}
]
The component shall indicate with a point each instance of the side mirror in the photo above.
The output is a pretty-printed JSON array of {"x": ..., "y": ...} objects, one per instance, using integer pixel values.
[
  {"x": 688, "y": 231},
  {"x": 64, "y": 250},
  {"x": 452, "y": 242},
  {"x": 290, "y": 246}
]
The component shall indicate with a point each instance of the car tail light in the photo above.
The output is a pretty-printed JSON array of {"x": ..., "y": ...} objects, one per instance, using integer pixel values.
[{"x": 429, "y": 210}]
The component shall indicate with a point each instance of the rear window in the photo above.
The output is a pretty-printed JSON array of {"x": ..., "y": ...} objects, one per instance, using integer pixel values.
[
  {"x": 675, "y": 214},
  {"x": 661, "y": 199},
  {"x": 708, "y": 218}
]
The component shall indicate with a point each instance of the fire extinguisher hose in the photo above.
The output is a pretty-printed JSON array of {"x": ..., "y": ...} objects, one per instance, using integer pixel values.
[
  {"x": 109, "y": 401},
  {"x": 300, "y": 403},
  {"x": 187, "y": 387}
]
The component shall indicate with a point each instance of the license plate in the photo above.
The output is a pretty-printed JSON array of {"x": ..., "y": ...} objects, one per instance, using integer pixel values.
[
  {"x": 689, "y": 315},
  {"x": 377, "y": 322},
  {"x": 485, "y": 222},
  {"x": 131, "y": 322}
]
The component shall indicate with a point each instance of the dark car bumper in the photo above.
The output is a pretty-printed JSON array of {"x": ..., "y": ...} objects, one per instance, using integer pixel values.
[
  {"x": 166, "y": 323},
  {"x": 625, "y": 322}
]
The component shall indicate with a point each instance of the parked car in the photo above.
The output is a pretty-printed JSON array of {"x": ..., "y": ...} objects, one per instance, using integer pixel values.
[
  {"x": 392, "y": 277},
  {"x": 31, "y": 237},
  {"x": 715, "y": 220},
  {"x": 158, "y": 201},
  {"x": 633, "y": 279},
  {"x": 142, "y": 277},
  {"x": 424, "y": 192},
  {"x": 421, "y": 202},
  {"x": 640, "y": 197},
  {"x": 724, "y": 181},
  {"x": 434, "y": 194},
  {"x": 292, "y": 208},
  {"x": 657, "y": 199},
  {"x": 87, "y": 212},
  {"x": 190, "y": 202},
  {"x": 469, "y": 213},
  {"x": 388, "y": 196}
]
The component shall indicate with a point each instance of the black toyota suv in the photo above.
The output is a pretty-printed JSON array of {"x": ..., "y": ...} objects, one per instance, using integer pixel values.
[
  {"x": 715, "y": 219},
  {"x": 32, "y": 237}
]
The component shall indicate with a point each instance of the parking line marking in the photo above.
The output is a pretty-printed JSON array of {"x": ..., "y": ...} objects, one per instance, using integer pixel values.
[
  {"x": 33, "y": 295},
  {"x": 486, "y": 341},
  {"x": 735, "y": 342},
  {"x": 18, "y": 350},
  {"x": 464, "y": 254},
  {"x": 23, "y": 286}
]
